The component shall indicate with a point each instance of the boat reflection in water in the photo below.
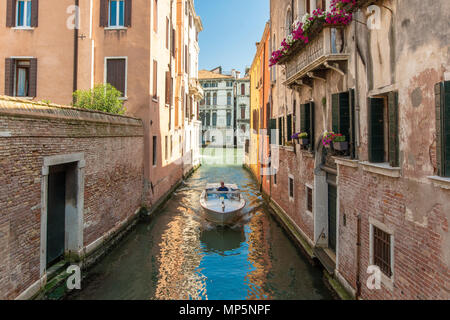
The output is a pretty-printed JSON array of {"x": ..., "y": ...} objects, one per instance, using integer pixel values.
[{"x": 222, "y": 240}]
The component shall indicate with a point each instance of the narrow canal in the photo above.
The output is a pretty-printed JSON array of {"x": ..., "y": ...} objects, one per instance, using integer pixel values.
[{"x": 178, "y": 255}]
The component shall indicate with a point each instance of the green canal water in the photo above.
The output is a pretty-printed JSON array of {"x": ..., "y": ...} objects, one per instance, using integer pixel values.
[{"x": 177, "y": 254}]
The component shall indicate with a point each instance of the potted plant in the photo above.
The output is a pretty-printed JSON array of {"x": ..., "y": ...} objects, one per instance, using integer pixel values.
[
  {"x": 328, "y": 138},
  {"x": 339, "y": 143}
]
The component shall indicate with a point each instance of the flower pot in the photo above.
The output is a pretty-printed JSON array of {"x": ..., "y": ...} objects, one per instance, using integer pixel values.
[
  {"x": 340, "y": 146},
  {"x": 304, "y": 141}
]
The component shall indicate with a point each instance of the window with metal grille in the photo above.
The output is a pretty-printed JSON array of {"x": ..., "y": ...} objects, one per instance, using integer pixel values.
[{"x": 382, "y": 251}]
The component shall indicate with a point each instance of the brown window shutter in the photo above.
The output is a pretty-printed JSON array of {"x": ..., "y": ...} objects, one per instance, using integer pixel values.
[
  {"x": 33, "y": 78},
  {"x": 155, "y": 79},
  {"x": 171, "y": 90},
  {"x": 167, "y": 87},
  {"x": 104, "y": 13},
  {"x": 10, "y": 13},
  {"x": 128, "y": 7},
  {"x": 116, "y": 69},
  {"x": 9, "y": 77},
  {"x": 34, "y": 13}
]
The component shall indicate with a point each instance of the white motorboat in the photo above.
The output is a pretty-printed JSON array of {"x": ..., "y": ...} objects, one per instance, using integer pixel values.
[{"x": 222, "y": 207}]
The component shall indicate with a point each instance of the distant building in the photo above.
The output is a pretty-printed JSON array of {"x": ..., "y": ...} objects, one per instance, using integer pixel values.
[{"x": 224, "y": 111}]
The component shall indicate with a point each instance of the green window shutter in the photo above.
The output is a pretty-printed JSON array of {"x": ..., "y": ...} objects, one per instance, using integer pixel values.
[
  {"x": 445, "y": 93},
  {"x": 352, "y": 133},
  {"x": 303, "y": 118},
  {"x": 394, "y": 150},
  {"x": 344, "y": 114},
  {"x": 311, "y": 117},
  {"x": 376, "y": 130},
  {"x": 438, "y": 88},
  {"x": 335, "y": 113},
  {"x": 340, "y": 103},
  {"x": 289, "y": 127}
]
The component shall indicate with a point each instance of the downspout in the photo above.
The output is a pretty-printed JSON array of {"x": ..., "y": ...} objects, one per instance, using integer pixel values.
[
  {"x": 358, "y": 257},
  {"x": 75, "y": 50},
  {"x": 357, "y": 107}
]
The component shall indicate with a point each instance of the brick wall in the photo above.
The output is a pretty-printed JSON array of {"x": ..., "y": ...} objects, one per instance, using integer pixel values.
[{"x": 113, "y": 178}]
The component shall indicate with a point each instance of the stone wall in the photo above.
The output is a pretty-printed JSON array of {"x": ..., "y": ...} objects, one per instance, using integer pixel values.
[{"x": 109, "y": 151}]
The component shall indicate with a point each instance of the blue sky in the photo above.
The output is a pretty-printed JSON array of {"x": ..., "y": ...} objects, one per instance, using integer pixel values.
[{"x": 230, "y": 30}]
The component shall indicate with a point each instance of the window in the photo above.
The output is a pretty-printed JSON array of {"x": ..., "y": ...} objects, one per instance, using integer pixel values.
[
  {"x": 228, "y": 119},
  {"x": 289, "y": 127},
  {"x": 167, "y": 33},
  {"x": 255, "y": 122},
  {"x": 215, "y": 98},
  {"x": 116, "y": 74},
  {"x": 23, "y": 13},
  {"x": 442, "y": 91},
  {"x": 155, "y": 15},
  {"x": 202, "y": 117},
  {"x": 289, "y": 22},
  {"x": 383, "y": 129},
  {"x": 280, "y": 131},
  {"x": 166, "y": 147},
  {"x": 20, "y": 77},
  {"x": 307, "y": 122},
  {"x": 155, "y": 145},
  {"x": 274, "y": 176},
  {"x": 343, "y": 117},
  {"x": 243, "y": 89},
  {"x": 382, "y": 250},
  {"x": 208, "y": 119},
  {"x": 214, "y": 119},
  {"x": 309, "y": 199},
  {"x": 291, "y": 187},
  {"x": 116, "y": 13},
  {"x": 169, "y": 87},
  {"x": 208, "y": 99},
  {"x": 242, "y": 112},
  {"x": 155, "y": 79},
  {"x": 229, "y": 98}
]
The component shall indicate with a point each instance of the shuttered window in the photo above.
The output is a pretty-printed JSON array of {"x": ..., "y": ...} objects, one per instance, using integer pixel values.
[
  {"x": 382, "y": 124},
  {"x": 168, "y": 87},
  {"x": 20, "y": 77},
  {"x": 155, "y": 79},
  {"x": 289, "y": 127},
  {"x": 341, "y": 113},
  {"x": 442, "y": 91},
  {"x": 307, "y": 122},
  {"x": 116, "y": 74},
  {"x": 155, "y": 15},
  {"x": 309, "y": 201},
  {"x": 115, "y": 13},
  {"x": 280, "y": 131},
  {"x": 22, "y": 13},
  {"x": 291, "y": 187}
]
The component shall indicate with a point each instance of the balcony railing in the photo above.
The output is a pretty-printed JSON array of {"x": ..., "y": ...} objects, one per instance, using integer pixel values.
[
  {"x": 326, "y": 47},
  {"x": 195, "y": 88}
]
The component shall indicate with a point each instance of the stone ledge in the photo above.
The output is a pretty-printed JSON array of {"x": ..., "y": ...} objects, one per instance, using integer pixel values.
[
  {"x": 440, "y": 182},
  {"x": 382, "y": 168},
  {"x": 346, "y": 162}
]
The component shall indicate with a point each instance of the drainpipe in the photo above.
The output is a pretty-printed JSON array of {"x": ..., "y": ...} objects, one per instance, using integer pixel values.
[
  {"x": 358, "y": 257},
  {"x": 75, "y": 50},
  {"x": 170, "y": 65}
]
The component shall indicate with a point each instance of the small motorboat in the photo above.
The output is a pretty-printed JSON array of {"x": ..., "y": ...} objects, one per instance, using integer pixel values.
[{"x": 222, "y": 207}]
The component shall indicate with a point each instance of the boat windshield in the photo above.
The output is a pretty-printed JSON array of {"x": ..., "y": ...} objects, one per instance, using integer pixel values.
[{"x": 213, "y": 195}]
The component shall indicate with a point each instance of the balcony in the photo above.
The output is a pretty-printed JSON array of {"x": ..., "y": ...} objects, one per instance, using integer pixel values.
[
  {"x": 195, "y": 88},
  {"x": 327, "y": 49}
]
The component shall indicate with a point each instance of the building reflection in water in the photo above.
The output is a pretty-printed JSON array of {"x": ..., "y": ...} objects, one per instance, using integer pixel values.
[{"x": 179, "y": 259}]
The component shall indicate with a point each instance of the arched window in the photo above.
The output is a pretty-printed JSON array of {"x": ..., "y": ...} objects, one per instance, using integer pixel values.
[
  {"x": 288, "y": 22},
  {"x": 214, "y": 99}
]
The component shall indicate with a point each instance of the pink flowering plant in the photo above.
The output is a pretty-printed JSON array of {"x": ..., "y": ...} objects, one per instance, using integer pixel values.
[
  {"x": 328, "y": 138},
  {"x": 338, "y": 15}
]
